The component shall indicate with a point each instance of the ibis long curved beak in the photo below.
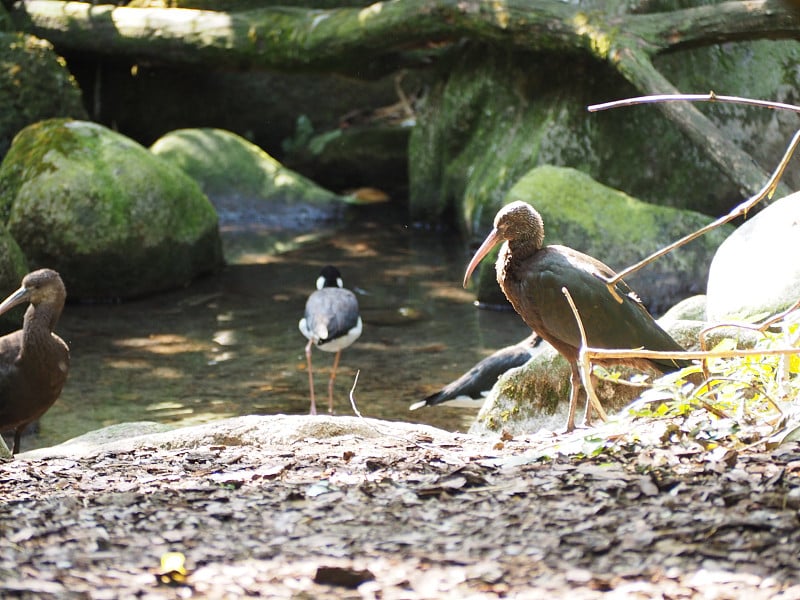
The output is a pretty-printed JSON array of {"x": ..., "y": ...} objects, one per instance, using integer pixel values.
[
  {"x": 18, "y": 297},
  {"x": 490, "y": 242}
]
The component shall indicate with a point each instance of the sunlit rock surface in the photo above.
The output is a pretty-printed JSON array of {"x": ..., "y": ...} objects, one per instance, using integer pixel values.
[
  {"x": 252, "y": 430},
  {"x": 756, "y": 272}
]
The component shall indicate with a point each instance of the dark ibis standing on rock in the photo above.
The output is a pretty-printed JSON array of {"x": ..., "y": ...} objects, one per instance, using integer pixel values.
[
  {"x": 532, "y": 277},
  {"x": 472, "y": 386},
  {"x": 34, "y": 361},
  {"x": 331, "y": 323}
]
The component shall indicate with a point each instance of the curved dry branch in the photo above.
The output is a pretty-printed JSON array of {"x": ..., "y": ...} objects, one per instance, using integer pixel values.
[{"x": 292, "y": 38}]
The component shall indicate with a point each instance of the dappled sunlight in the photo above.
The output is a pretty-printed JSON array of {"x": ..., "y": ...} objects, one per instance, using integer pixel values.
[
  {"x": 167, "y": 373},
  {"x": 164, "y": 344},
  {"x": 226, "y": 337},
  {"x": 371, "y": 11},
  {"x": 229, "y": 345},
  {"x": 451, "y": 293},
  {"x": 128, "y": 363},
  {"x": 600, "y": 40},
  {"x": 172, "y": 22}
]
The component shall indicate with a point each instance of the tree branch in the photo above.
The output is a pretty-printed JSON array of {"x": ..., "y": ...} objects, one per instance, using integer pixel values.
[
  {"x": 636, "y": 67},
  {"x": 376, "y": 39}
]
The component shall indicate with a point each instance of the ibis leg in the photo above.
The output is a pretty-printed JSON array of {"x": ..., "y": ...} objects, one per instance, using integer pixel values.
[{"x": 574, "y": 389}]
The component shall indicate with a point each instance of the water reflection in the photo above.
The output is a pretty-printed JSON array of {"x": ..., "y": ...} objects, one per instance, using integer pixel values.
[{"x": 229, "y": 344}]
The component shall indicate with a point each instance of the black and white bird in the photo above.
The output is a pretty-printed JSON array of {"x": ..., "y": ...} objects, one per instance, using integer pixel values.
[
  {"x": 470, "y": 389},
  {"x": 331, "y": 323}
]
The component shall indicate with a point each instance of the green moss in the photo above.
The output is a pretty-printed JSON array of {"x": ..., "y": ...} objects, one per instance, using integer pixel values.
[
  {"x": 225, "y": 164},
  {"x": 34, "y": 84},
  {"x": 494, "y": 115},
  {"x": 539, "y": 388},
  {"x": 13, "y": 267},
  {"x": 93, "y": 204},
  {"x": 5, "y": 19},
  {"x": 617, "y": 229}
]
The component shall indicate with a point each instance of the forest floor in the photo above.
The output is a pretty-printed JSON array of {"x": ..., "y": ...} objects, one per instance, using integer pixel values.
[{"x": 387, "y": 510}]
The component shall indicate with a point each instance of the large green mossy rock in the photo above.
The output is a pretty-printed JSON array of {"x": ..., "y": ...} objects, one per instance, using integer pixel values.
[
  {"x": 493, "y": 115},
  {"x": 618, "y": 230},
  {"x": 34, "y": 85},
  {"x": 115, "y": 221},
  {"x": 227, "y": 165},
  {"x": 264, "y": 208}
]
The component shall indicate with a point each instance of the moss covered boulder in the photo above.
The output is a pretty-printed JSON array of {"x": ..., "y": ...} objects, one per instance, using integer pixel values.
[
  {"x": 34, "y": 85},
  {"x": 114, "y": 220},
  {"x": 227, "y": 165},
  {"x": 263, "y": 207},
  {"x": 616, "y": 229},
  {"x": 494, "y": 114},
  {"x": 536, "y": 396}
]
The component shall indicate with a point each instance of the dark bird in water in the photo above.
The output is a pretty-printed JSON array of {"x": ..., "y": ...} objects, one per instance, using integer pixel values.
[
  {"x": 34, "y": 361},
  {"x": 473, "y": 385},
  {"x": 331, "y": 323},
  {"x": 532, "y": 277}
]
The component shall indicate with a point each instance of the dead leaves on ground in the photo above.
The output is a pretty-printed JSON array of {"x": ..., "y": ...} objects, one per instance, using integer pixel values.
[{"x": 393, "y": 518}]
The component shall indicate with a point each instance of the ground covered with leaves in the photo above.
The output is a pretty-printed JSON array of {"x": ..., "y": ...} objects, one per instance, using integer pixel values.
[{"x": 382, "y": 510}]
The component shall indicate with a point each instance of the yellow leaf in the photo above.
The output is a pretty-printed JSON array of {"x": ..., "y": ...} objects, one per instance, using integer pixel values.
[{"x": 173, "y": 569}]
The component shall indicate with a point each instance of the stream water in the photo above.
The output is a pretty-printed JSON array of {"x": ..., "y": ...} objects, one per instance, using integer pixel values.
[{"x": 229, "y": 344}]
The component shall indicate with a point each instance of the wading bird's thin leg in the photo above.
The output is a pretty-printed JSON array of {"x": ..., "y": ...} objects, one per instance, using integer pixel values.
[
  {"x": 310, "y": 378},
  {"x": 331, "y": 380},
  {"x": 574, "y": 388}
]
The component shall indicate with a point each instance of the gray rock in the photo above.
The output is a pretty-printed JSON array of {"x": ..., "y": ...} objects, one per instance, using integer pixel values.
[
  {"x": 535, "y": 396},
  {"x": 756, "y": 271},
  {"x": 691, "y": 308},
  {"x": 252, "y": 430},
  {"x": 113, "y": 219},
  {"x": 263, "y": 206}
]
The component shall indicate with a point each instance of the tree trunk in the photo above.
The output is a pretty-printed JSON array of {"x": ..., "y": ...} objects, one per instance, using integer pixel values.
[{"x": 384, "y": 36}]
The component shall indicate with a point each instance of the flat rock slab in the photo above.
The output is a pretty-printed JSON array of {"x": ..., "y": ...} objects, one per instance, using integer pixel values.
[{"x": 340, "y": 507}]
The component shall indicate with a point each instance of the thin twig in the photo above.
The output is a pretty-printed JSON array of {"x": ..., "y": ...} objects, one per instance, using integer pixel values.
[
  {"x": 604, "y": 353},
  {"x": 710, "y": 97},
  {"x": 619, "y": 381},
  {"x": 389, "y": 434},
  {"x": 584, "y": 365},
  {"x": 713, "y": 409},
  {"x": 741, "y": 210},
  {"x": 781, "y": 315},
  {"x": 353, "y": 397}
]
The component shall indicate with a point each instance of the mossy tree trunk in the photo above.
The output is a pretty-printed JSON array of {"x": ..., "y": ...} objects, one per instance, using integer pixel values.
[{"x": 385, "y": 36}]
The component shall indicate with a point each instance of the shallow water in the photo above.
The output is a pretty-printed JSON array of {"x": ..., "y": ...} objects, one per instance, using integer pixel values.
[{"x": 229, "y": 345}]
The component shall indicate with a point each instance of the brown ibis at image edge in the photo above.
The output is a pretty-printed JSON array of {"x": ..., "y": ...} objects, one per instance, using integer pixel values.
[
  {"x": 532, "y": 277},
  {"x": 34, "y": 361}
]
